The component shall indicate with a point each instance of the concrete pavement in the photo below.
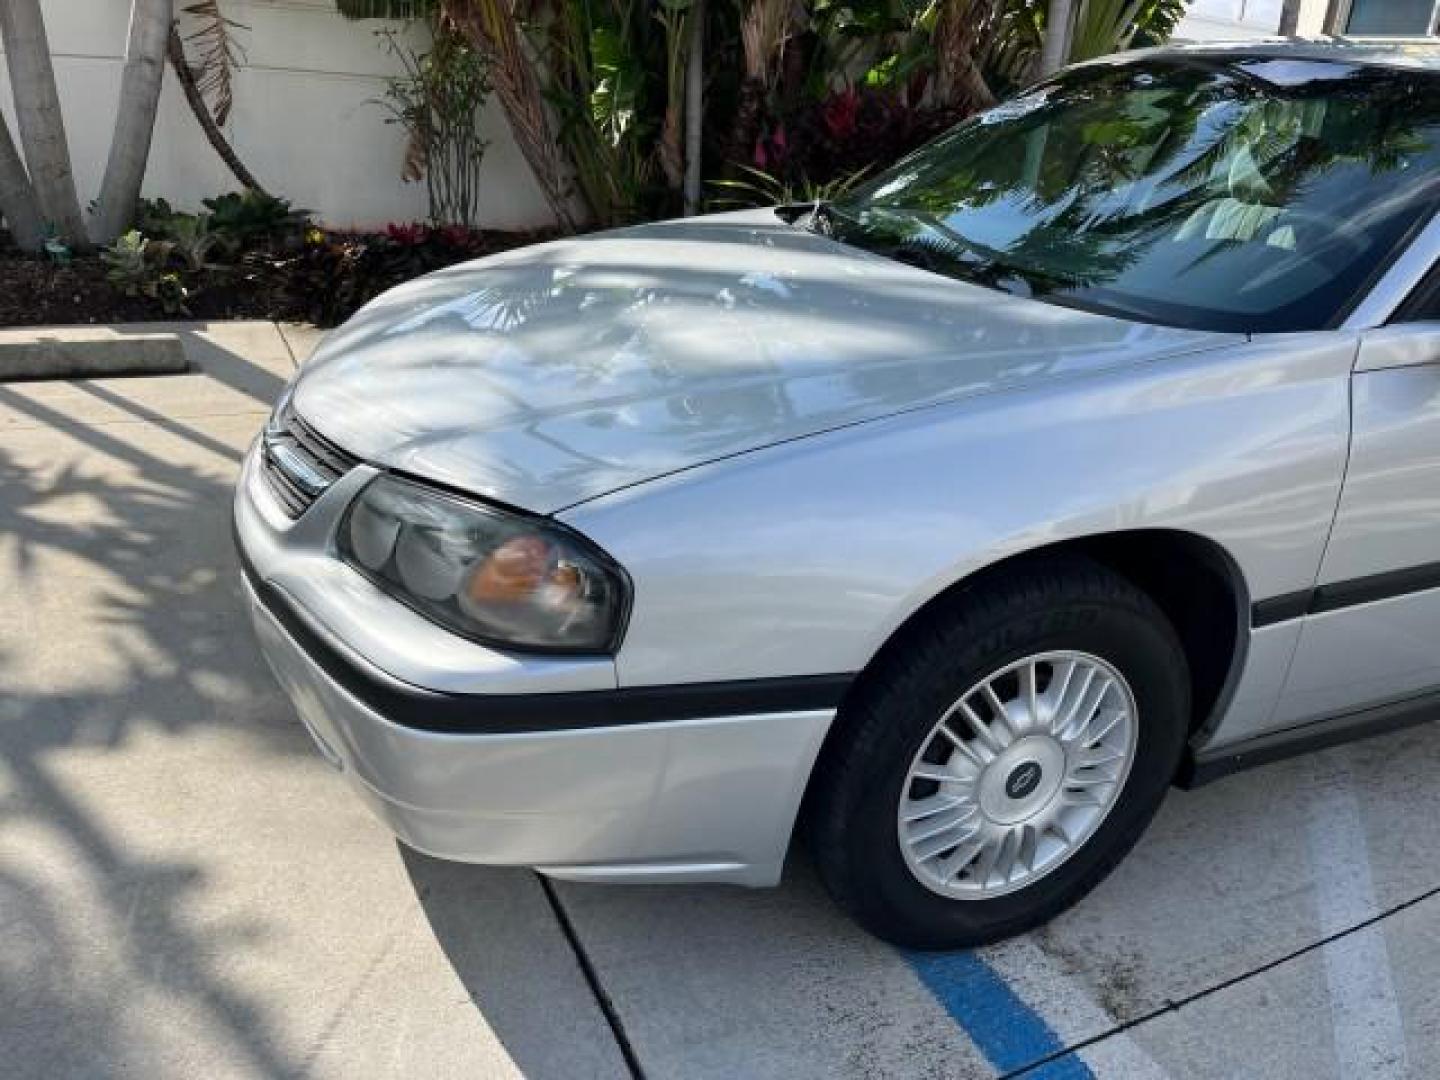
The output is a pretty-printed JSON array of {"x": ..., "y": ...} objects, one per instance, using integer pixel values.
[{"x": 186, "y": 889}]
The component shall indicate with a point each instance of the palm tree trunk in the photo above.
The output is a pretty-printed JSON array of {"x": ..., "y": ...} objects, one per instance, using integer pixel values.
[
  {"x": 17, "y": 198},
  {"x": 694, "y": 106},
  {"x": 961, "y": 32},
  {"x": 747, "y": 125},
  {"x": 185, "y": 76},
  {"x": 150, "y": 24},
  {"x": 1056, "y": 47},
  {"x": 1290, "y": 18},
  {"x": 42, "y": 127}
]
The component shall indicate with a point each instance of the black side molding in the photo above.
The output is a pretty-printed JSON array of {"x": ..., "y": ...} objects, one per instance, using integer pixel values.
[
  {"x": 428, "y": 710},
  {"x": 1367, "y": 590},
  {"x": 1280, "y": 608},
  {"x": 1342, "y": 594},
  {"x": 1205, "y": 766}
]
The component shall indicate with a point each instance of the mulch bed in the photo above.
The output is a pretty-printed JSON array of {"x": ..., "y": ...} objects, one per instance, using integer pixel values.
[
  {"x": 321, "y": 282},
  {"x": 35, "y": 292}
]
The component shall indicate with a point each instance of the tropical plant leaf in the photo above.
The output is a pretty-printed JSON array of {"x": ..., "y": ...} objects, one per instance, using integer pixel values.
[
  {"x": 386, "y": 9},
  {"x": 1157, "y": 21},
  {"x": 765, "y": 27},
  {"x": 219, "y": 54},
  {"x": 761, "y": 188},
  {"x": 417, "y": 156},
  {"x": 494, "y": 28},
  {"x": 1105, "y": 26},
  {"x": 617, "y": 84}
]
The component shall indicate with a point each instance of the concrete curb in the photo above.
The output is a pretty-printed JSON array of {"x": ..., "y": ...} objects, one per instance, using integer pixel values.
[
  {"x": 30, "y": 353},
  {"x": 81, "y": 352}
]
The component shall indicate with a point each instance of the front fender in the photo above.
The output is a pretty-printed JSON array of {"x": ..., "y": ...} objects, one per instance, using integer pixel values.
[{"x": 804, "y": 558}]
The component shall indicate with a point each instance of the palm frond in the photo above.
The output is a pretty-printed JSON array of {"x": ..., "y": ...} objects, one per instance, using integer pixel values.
[
  {"x": 765, "y": 27},
  {"x": 494, "y": 28},
  {"x": 1105, "y": 26},
  {"x": 218, "y": 55},
  {"x": 760, "y": 188},
  {"x": 386, "y": 9},
  {"x": 1157, "y": 21}
]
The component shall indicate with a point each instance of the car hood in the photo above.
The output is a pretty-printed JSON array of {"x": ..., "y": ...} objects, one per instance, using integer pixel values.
[{"x": 552, "y": 374}]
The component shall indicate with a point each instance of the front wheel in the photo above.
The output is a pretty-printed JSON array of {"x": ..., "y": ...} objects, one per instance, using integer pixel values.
[{"x": 1002, "y": 756}]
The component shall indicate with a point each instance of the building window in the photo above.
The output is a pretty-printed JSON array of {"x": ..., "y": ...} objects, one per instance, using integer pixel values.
[{"x": 1391, "y": 18}]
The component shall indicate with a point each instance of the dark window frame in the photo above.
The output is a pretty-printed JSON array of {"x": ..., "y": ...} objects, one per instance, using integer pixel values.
[{"x": 1423, "y": 303}]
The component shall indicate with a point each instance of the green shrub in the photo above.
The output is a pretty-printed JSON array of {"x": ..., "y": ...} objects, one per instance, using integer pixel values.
[
  {"x": 245, "y": 220},
  {"x": 192, "y": 237},
  {"x": 138, "y": 266}
]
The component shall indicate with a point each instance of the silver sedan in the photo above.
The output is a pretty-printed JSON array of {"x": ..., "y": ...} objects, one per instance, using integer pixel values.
[{"x": 1093, "y": 448}]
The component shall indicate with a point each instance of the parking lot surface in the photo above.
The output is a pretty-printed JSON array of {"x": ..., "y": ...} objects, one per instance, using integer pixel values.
[{"x": 186, "y": 889}]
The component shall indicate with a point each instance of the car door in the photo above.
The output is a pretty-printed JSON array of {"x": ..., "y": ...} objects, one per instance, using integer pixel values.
[{"x": 1372, "y": 634}]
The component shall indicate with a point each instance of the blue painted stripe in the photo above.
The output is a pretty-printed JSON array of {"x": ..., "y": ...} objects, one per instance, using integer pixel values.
[{"x": 1008, "y": 1032}]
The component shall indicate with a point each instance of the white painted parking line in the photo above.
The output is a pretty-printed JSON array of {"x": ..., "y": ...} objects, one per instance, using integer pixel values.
[
  {"x": 1365, "y": 1014},
  {"x": 1275, "y": 1023}
]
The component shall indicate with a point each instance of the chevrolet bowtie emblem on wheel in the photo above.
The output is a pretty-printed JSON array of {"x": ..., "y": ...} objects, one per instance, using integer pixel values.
[{"x": 1023, "y": 780}]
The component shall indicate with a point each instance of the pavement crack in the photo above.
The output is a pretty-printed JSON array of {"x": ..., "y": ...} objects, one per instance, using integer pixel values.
[
  {"x": 1176, "y": 1004},
  {"x": 325, "y": 1038},
  {"x": 285, "y": 340},
  {"x": 592, "y": 979}
]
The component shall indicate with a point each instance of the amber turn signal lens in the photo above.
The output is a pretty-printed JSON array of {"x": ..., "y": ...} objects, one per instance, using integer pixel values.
[{"x": 512, "y": 572}]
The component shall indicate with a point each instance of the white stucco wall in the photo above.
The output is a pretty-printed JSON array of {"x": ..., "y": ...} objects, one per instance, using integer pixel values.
[
  {"x": 1235, "y": 20},
  {"x": 1209, "y": 20},
  {"x": 1312, "y": 17},
  {"x": 304, "y": 121}
]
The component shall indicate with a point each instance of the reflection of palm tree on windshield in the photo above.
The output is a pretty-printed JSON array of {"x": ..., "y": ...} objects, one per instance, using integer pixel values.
[{"x": 1170, "y": 181}]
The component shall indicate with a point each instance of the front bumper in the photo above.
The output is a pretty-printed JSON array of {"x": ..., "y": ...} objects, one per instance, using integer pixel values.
[{"x": 670, "y": 800}]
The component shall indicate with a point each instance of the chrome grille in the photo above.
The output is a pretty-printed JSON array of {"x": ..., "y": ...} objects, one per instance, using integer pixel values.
[{"x": 299, "y": 463}]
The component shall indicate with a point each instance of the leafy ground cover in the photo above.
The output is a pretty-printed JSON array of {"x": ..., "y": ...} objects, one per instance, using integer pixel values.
[{"x": 191, "y": 266}]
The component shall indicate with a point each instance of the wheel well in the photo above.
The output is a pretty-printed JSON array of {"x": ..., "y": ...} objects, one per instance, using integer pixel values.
[
  {"x": 1201, "y": 591},
  {"x": 1192, "y": 580}
]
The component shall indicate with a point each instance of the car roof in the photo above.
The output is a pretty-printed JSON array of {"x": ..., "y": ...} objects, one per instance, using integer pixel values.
[{"x": 1400, "y": 54}]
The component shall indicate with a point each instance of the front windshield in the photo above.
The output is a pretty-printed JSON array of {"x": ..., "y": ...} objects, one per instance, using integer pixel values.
[{"x": 1239, "y": 195}]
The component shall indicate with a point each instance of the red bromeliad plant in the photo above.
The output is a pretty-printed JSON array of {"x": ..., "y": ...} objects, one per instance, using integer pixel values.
[
  {"x": 852, "y": 132},
  {"x": 408, "y": 233},
  {"x": 840, "y": 113}
]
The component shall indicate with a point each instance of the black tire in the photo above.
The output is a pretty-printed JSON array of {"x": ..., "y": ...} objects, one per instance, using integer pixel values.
[{"x": 1051, "y": 604}]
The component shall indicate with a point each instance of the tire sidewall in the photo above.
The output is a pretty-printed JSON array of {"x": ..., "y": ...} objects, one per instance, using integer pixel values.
[{"x": 1136, "y": 643}]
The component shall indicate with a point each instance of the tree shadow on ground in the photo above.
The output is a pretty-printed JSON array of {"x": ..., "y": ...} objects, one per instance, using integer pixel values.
[
  {"x": 124, "y": 633},
  {"x": 122, "y": 620}
]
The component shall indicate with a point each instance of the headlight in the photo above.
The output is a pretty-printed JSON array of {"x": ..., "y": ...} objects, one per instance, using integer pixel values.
[{"x": 496, "y": 577}]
